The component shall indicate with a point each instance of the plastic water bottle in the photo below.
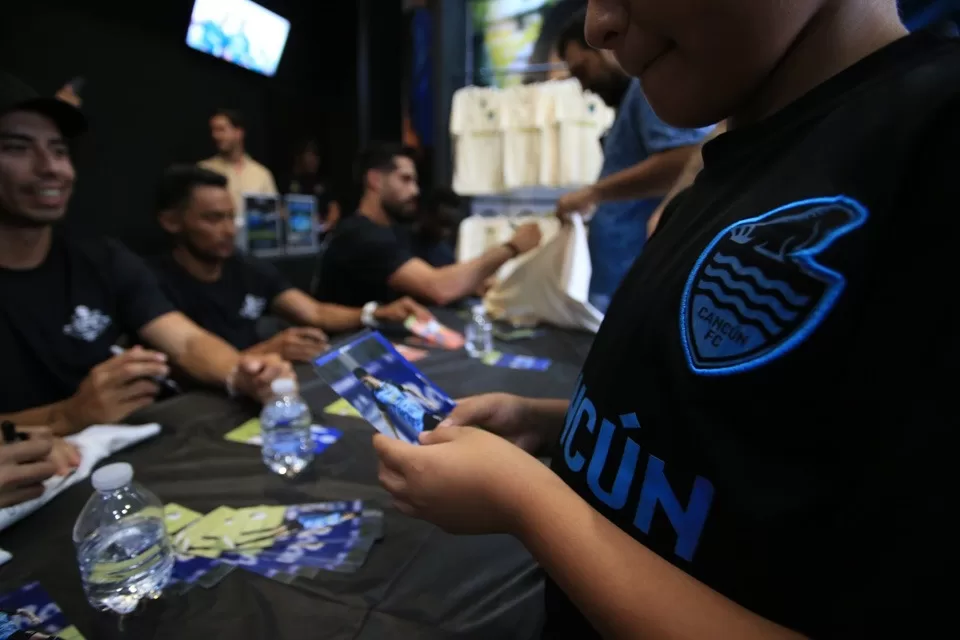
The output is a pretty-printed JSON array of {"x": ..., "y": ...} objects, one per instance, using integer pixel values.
[
  {"x": 285, "y": 428},
  {"x": 478, "y": 333},
  {"x": 122, "y": 545}
]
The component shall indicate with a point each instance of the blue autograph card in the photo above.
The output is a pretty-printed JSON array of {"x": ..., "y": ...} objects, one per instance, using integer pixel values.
[{"x": 388, "y": 391}]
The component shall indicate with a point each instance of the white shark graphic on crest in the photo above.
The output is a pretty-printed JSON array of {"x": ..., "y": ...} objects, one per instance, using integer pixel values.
[{"x": 757, "y": 290}]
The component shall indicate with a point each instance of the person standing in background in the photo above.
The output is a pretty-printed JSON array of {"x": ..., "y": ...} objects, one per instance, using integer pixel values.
[
  {"x": 308, "y": 179},
  {"x": 243, "y": 173},
  {"x": 643, "y": 158}
]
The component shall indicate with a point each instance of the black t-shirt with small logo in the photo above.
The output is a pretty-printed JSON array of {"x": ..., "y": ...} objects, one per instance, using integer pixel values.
[
  {"x": 359, "y": 258},
  {"x": 59, "y": 320},
  {"x": 232, "y": 306},
  {"x": 768, "y": 404}
]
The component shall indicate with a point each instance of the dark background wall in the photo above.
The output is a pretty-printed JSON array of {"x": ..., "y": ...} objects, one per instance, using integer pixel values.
[{"x": 149, "y": 96}]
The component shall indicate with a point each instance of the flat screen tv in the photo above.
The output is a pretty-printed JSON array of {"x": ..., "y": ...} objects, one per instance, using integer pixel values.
[{"x": 239, "y": 31}]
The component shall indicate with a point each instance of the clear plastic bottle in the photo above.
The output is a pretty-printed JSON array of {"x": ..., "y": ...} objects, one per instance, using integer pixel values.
[
  {"x": 478, "y": 333},
  {"x": 285, "y": 428},
  {"x": 122, "y": 546}
]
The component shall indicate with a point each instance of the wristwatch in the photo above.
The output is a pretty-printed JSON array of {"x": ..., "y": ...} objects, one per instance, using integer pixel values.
[{"x": 367, "y": 315}]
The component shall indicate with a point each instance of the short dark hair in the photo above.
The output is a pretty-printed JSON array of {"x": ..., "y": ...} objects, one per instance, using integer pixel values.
[
  {"x": 381, "y": 156},
  {"x": 235, "y": 117},
  {"x": 178, "y": 183},
  {"x": 575, "y": 31}
]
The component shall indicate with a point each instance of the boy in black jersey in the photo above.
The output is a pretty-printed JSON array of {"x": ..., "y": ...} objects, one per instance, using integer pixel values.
[{"x": 758, "y": 443}]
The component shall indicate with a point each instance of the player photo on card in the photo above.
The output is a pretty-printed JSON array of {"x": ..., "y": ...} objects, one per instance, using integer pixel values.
[{"x": 387, "y": 391}]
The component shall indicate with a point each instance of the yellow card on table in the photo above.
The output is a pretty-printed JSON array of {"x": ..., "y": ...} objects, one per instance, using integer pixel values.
[
  {"x": 177, "y": 518},
  {"x": 247, "y": 433},
  {"x": 201, "y": 538},
  {"x": 70, "y": 633},
  {"x": 342, "y": 408},
  {"x": 253, "y": 523}
]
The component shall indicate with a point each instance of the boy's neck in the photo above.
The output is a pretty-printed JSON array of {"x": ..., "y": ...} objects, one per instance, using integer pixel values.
[{"x": 839, "y": 36}]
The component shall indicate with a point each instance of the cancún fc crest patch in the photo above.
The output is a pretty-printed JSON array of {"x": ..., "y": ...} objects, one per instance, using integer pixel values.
[{"x": 758, "y": 291}]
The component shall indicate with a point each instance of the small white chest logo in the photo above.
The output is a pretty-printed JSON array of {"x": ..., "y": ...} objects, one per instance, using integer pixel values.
[
  {"x": 252, "y": 307},
  {"x": 87, "y": 324}
]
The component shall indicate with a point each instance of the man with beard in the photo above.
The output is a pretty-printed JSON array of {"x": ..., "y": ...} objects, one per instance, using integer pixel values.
[
  {"x": 67, "y": 301},
  {"x": 643, "y": 158},
  {"x": 226, "y": 293},
  {"x": 367, "y": 260}
]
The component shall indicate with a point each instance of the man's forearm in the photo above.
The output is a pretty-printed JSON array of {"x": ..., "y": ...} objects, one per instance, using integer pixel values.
[
  {"x": 651, "y": 178},
  {"x": 623, "y": 588},
  {"x": 51, "y": 415},
  {"x": 334, "y": 318},
  {"x": 208, "y": 359},
  {"x": 460, "y": 280}
]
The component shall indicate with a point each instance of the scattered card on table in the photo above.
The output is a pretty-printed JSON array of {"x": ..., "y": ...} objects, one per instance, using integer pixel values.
[
  {"x": 205, "y": 536},
  {"x": 177, "y": 517},
  {"x": 412, "y": 354},
  {"x": 30, "y": 608},
  {"x": 249, "y": 433},
  {"x": 513, "y": 361},
  {"x": 343, "y": 409},
  {"x": 513, "y": 335},
  {"x": 435, "y": 333}
]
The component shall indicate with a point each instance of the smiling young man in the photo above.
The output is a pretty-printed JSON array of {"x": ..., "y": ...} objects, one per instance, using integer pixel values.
[
  {"x": 760, "y": 443},
  {"x": 65, "y": 302},
  {"x": 227, "y": 293}
]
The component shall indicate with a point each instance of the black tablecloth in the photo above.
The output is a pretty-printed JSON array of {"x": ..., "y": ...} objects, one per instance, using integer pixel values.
[{"x": 417, "y": 583}]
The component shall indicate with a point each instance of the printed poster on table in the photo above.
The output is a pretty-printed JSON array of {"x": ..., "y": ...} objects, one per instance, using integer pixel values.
[{"x": 387, "y": 391}]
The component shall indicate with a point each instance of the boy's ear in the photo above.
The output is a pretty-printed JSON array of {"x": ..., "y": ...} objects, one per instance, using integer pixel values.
[{"x": 171, "y": 221}]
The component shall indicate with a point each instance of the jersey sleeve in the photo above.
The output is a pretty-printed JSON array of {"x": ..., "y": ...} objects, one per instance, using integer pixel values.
[
  {"x": 900, "y": 535},
  {"x": 141, "y": 297}
]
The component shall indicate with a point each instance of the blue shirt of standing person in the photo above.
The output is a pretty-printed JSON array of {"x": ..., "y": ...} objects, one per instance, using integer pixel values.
[
  {"x": 618, "y": 230},
  {"x": 643, "y": 157}
]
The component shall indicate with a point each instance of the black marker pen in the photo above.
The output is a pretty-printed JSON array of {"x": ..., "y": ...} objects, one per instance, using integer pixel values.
[
  {"x": 167, "y": 383},
  {"x": 11, "y": 435}
]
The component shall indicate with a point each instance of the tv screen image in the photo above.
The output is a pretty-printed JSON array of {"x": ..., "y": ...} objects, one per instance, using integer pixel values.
[{"x": 239, "y": 31}]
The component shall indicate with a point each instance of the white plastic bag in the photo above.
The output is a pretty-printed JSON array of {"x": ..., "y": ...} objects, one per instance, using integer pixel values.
[{"x": 550, "y": 285}]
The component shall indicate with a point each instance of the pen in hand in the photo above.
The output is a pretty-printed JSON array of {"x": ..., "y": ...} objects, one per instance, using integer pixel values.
[{"x": 167, "y": 383}]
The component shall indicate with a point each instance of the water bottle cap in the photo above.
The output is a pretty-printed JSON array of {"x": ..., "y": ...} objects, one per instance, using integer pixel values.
[
  {"x": 478, "y": 309},
  {"x": 112, "y": 476},
  {"x": 281, "y": 386}
]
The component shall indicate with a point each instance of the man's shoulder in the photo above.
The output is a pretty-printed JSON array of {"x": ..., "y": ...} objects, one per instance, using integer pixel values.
[{"x": 214, "y": 163}]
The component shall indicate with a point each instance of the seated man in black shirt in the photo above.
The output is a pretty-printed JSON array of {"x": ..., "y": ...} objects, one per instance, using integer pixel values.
[
  {"x": 367, "y": 260},
  {"x": 66, "y": 302},
  {"x": 761, "y": 444},
  {"x": 227, "y": 293}
]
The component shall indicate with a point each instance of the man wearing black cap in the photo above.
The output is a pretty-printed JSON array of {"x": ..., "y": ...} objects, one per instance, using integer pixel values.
[{"x": 66, "y": 302}]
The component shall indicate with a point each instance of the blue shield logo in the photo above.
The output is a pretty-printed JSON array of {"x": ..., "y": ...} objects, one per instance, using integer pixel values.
[{"x": 757, "y": 291}]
